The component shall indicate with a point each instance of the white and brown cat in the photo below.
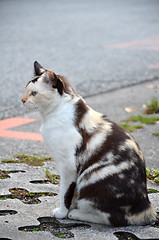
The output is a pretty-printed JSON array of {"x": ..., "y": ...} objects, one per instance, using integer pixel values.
[{"x": 102, "y": 169}]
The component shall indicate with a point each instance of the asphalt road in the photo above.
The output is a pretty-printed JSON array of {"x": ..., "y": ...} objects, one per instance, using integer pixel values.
[{"x": 98, "y": 45}]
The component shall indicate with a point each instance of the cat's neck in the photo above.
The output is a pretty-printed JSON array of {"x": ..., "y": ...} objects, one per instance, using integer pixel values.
[{"x": 62, "y": 110}]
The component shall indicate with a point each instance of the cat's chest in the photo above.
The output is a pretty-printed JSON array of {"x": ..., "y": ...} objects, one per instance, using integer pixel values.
[
  {"x": 54, "y": 129},
  {"x": 60, "y": 136}
]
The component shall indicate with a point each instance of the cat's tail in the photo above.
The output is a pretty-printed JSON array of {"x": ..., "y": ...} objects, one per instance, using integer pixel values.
[{"x": 144, "y": 216}]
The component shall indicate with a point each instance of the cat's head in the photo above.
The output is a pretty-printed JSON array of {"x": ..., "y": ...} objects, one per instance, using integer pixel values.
[{"x": 46, "y": 89}]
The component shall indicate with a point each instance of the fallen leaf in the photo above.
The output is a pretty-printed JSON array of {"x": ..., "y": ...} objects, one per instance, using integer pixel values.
[
  {"x": 152, "y": 86},
  {"x": 130, "y": 109}
]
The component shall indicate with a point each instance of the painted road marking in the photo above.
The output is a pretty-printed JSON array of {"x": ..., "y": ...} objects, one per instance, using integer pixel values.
[
  {"x": 155, "y": 66},
  {"x": 16, "y": 122},
  {"x": 146, "y": 44}
]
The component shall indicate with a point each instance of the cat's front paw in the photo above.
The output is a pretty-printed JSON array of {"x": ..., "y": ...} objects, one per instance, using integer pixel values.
[{"x": 59, "y": 213}]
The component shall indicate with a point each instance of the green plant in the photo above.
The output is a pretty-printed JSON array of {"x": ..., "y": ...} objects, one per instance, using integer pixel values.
[
  {"x": 28, "y": 159},
  {"x": 156, "y": 134},
  {"x": 143, "y": 119},
  {"x": 152, "y": 107},
  {"x": 53, "y": 178},
  {"x": 60, "y": 235},
  {"x": 153, "y": 174},
  {"x": 152, "y": 190},
  {"x": 35, "y": 229},
  {"x": 130, "y": 127}
]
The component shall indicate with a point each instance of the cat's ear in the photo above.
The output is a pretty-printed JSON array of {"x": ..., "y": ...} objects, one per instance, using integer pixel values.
[
  {"x": 38, "y": 69},
  {"x": 57, "y": 83}
]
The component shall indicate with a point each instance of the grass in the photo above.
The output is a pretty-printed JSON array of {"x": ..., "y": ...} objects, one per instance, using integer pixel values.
[
  {"x": 5, "y": 174},
  {"x": 152, "y": 190},
  {"x": 60, "y": 235},
  {"x": 156, "y": 134},
  {"x": 153, "y": 174},
  {"x": 28, "y": 159},
  {"x": 35, "y": 229},
  {"x": 143, "y": 119},
  {"x": 26, "y": 196},
  {"x": 152, "y": 107},
  {"x": 55, "y": 179},
  {"x": 130, "y": 127}
]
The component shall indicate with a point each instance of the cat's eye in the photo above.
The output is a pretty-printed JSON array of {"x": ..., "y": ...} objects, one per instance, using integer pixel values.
[{"x": 33, "y": 93}]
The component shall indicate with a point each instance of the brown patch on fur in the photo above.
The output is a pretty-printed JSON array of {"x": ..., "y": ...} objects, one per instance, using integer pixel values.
[
  {"x": 50, "y": 73},
  {"x": 34, "y": 80},
  {"x": 80, "y": 111},
  {"x": 69, "y": 195},
  {"x": 94, "y": 158},
  {"x": 85, "y": 139},
  {"x": 111, "y": 143},
  {"x": 61, "y": 83},
  {"x": 67, "y": 88},
  {"x": 118, "y": 218},
  {"x": 87, "y": 175}
]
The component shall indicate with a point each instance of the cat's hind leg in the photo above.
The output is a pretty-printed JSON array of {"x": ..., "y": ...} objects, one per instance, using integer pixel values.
[
  {"x": 87, "y": 213},
  {"x": 76, "y": 214}
]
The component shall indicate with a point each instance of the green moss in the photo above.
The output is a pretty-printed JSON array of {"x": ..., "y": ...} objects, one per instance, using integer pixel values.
[
  {"x": 28, "y": 159},
  {"x": 31, "y": 194},
  {"x": 26, "y": 196},
  {"x": 8, "y": 161},
  {"x": 143, "y": 119},
  {"x": 55, "y": 179},
  {"x": 152, "y": 190},
  {"x": 156, "y": 134},
  {"x": 5, "y": 174},
  {"x": 35, "y": 229},
  {"x": 3, "y": 197},
  {"x": 60, "y": 235},
  {"x": 152, "y": 107},
  {"x": 153, "y": 174},
  {"x": 130, "y": 127}
]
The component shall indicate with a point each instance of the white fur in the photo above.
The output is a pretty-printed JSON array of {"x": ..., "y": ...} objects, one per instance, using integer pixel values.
[
  {"x": 61, "y": 137},
  {"x": 59, "y": 133}
]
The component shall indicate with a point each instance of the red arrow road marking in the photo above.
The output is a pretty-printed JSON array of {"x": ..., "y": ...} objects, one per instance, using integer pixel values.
[
  {"x": 146, "y": 44},
  {"x": 15, "y": 122},
  {"x": 156, "y": 65}
]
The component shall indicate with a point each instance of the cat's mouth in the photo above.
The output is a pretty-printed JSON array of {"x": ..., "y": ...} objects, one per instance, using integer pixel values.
[{"x": 30, "y": 106}]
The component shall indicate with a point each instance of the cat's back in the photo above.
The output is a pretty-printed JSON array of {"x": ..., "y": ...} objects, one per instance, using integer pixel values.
[{"x": 108, "y": 153}]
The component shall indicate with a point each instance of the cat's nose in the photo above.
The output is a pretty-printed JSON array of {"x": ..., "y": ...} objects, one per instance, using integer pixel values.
[{"x": 23, "y": 100}]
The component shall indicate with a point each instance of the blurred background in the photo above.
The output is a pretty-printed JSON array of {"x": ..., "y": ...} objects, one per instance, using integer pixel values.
[{"x": 99, "y": 45}]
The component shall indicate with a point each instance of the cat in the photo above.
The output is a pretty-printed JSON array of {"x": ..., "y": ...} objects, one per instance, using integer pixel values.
[{"x": 102, "y": 169}]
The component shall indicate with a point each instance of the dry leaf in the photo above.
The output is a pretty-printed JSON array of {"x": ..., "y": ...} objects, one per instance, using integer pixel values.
[
  {"x": 152, "y": 86},
  {"x": 130, "y": 109}
]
